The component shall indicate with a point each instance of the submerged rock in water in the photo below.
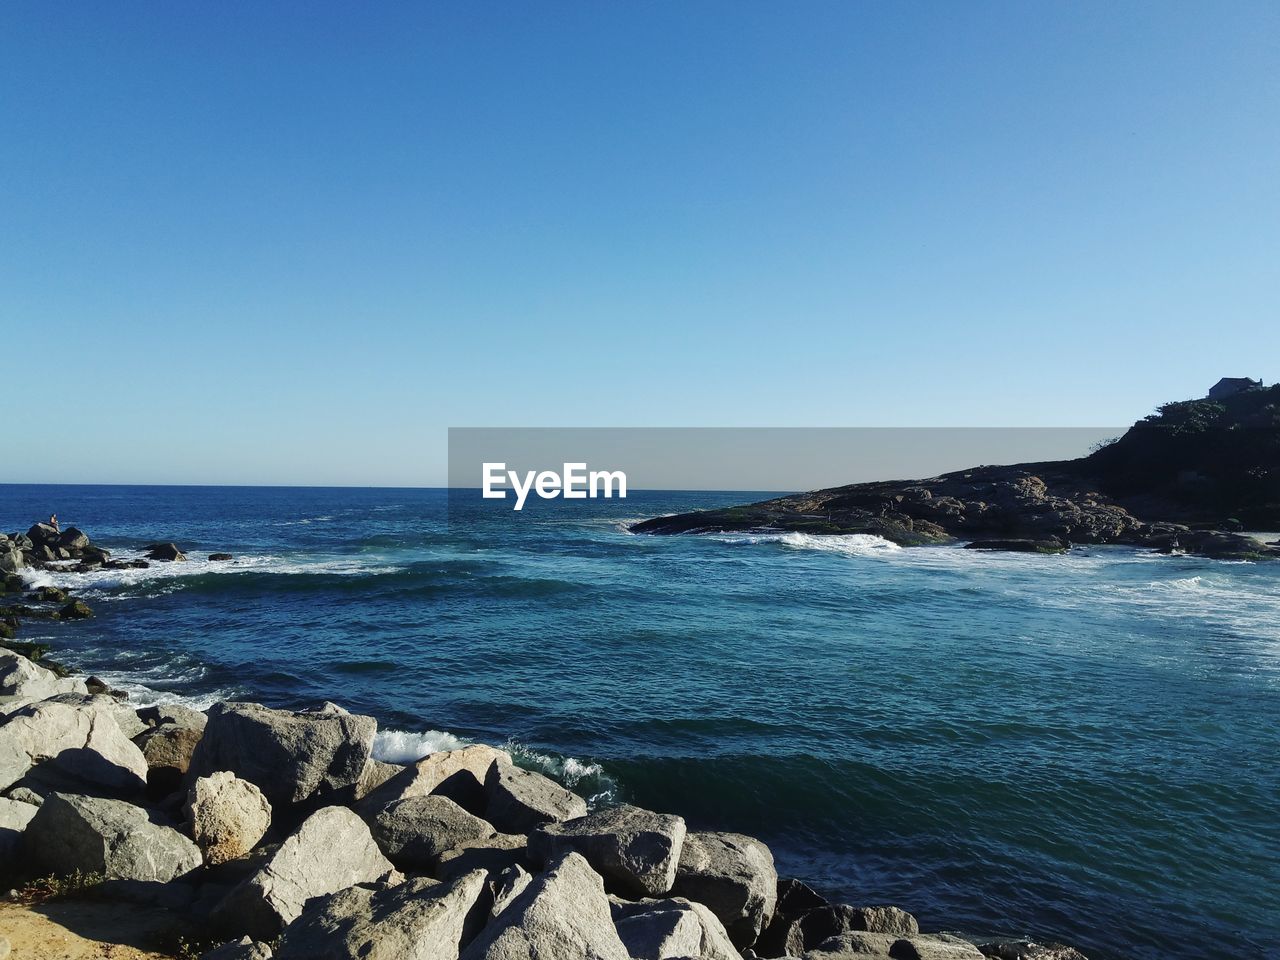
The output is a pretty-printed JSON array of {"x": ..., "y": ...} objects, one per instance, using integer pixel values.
[{"x": 165, "y": 551}]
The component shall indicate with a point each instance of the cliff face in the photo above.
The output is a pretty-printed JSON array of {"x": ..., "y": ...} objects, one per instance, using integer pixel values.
[
  {"x": 1199, "y": 462},
  {"x": 1183, "y": 478}
]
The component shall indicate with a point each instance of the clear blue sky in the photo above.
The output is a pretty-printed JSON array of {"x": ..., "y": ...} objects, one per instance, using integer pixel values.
[{"x": 267, "y": 242}]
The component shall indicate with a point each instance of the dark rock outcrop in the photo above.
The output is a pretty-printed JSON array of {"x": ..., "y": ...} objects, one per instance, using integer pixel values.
[{"x": 1194, "y": 474}]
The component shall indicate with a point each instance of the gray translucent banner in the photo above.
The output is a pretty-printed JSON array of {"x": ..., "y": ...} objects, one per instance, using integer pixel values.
[{"x": 780, "y": 459}]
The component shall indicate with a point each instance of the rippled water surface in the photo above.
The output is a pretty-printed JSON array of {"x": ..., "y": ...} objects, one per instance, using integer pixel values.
[{"x": 1083, "y": 746}]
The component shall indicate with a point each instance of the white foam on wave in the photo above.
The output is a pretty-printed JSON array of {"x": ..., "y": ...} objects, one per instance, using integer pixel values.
[
  {"x": 847, "y": 544},
  {"x": 102, "y": 580},
  {"x": 402, "y": 746}
]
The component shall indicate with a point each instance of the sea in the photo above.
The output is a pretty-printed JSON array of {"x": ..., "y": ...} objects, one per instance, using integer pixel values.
[{"x": 1082, "y": 748}]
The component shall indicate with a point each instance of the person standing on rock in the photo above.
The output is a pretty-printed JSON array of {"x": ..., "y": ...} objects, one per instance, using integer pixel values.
[{"x": 53, "y": 522}]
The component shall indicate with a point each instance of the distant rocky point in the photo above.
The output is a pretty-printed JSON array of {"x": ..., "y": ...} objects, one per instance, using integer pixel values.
[{"x": 1191, "y": 477}]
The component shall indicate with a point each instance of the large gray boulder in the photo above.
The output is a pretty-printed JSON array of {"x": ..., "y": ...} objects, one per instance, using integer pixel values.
[
  {"x": 853, "y": 946},
  {"x": 667, "y": 929},
  {"x": 227, "y": 816},
  {"x": 73, "y": 743},
  {"x": 11, "y": 558},
  {"x": 14, "y": 817},
  {"x": 635, "y": 850},
  {"x": 562, "y": 914},
  {"x": 112, "y": 838},
  {"x": 521, "y": 800},
  {"x": 20, "y": 677},
  {"x": 814, "y": 927},
  {"x": 289, "y": 756},
  {"x": 414, "y": 832},
  {"x": 416, "y": 920},
  {"x": 934, "y": 946},
  {"x": 331, "y": 851},
  {"x": 459, "y": 775},
  {"x": 734, "y": 875}
]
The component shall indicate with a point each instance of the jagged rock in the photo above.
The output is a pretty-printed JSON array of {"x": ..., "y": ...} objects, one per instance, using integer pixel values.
[
  {"x": 168, "y": 749},
  {"x": 734, "y": 875},
  {"x": 562, "y": 913},
  {"x": 854, "y": 946},
  {"x": 73, "y": 539},
  {"x": 796, "y": 897},
  {"x": 1029, "y": 950},
  {"x": 165, "y": 551},
  {"x": 288, "y": 756},
  {"x": 243, "y": 949},
  {"x": 459, "y": 775},
  {"x": 813, "y": 927},
  {"x": 506, "y": 886},
  {"x": 26, "y": 795},
  {"x": 161, "y": 713},
  {"x": 20, "y": 677},
  {"x": 667, "y": 929},
  {"x": 418, "y": 920},
  {"x": 11, "y": 561},
  {"x": 635, "y": 850},
  {"x": 521, "y": 800},
  {"x": 96, "y": 685},
  {"x": 42, "y": 533},
  {"x": 494, "y": 854},
  {"x": 14, "y": 817},
  {"x": 75, "y": 610},
  {"x": 112, "y": 838},
  {"x": 331, "y": 851},
  {"x": 126, "y": 719},
  {"x": 375, "y": 774},
  {"x": 49, "y": 595},
  {"x": 76, "y": 743},
  {"x": 228, "y": 816},
  {"x": 936, "y": 946},
  {"x": 219, "y": 557},
  {"x": 414, "y": 832}
]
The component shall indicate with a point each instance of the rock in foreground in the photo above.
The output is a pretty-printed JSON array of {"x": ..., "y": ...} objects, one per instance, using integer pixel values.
[{"x": 114, "y": 839}]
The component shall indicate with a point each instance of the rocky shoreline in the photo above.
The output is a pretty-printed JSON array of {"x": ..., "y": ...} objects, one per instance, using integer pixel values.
[
  {"x": 1189, "y": 479},
  {"x": 274, "y": 833}
]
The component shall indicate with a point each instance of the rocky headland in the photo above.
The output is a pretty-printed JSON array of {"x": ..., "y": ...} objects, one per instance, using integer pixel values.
[
  {"x": 273, "y": 833},
  {"x": 1190, "y": 478}
]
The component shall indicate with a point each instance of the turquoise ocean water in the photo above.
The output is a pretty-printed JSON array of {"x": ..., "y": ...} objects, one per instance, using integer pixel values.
[{"x": 1083, "y": 747}]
